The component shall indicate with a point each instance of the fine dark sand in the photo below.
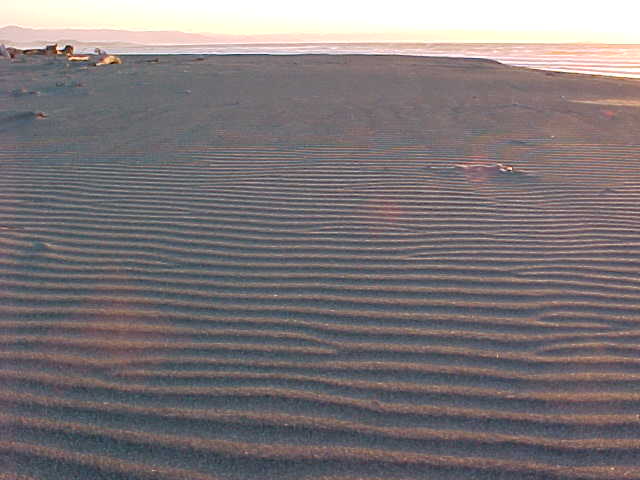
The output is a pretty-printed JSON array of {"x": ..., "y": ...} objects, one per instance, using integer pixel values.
[{"x": 262, "y": 267}]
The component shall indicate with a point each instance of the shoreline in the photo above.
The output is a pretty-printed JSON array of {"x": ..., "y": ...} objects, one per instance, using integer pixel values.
[
  {"x": 618, "y": 60},
  {"x": 606, "y": 59}
]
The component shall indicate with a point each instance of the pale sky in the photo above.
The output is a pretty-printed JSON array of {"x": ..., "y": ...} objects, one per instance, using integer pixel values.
[{"x": 491, "y": 20}]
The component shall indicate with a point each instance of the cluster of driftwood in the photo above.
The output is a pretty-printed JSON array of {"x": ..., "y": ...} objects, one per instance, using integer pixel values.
[
  {"x": 100, "y": 58},
  {"x": 49, "y": 50}
]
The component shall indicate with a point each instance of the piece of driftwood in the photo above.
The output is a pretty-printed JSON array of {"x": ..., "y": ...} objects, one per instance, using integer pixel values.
[{"x": 105, "y": 59}]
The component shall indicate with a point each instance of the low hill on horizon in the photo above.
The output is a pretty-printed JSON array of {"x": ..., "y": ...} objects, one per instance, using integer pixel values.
[{"x": 16, "y": 34}]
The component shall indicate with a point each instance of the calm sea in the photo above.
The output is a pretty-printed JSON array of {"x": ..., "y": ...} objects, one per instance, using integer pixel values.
[{"x": 614, "y": 60}]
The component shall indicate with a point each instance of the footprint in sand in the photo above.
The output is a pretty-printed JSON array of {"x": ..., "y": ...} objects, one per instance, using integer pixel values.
[{"x": 10, "y": 120}]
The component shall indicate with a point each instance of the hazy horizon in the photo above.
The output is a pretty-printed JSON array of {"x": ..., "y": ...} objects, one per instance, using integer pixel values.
[{"x": 179, "y": 36}]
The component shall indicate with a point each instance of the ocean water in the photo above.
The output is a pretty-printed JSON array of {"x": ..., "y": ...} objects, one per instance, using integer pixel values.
[{"x": 599, "y": 59}]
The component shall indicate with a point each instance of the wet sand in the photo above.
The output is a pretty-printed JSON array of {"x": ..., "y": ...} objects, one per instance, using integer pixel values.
[{"x": 270, "y": 267}]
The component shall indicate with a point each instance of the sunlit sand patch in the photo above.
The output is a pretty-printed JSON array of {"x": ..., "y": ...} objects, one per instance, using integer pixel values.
[{"x": 617, "y": 102}]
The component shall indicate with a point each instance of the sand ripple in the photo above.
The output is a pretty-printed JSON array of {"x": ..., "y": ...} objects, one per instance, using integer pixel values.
[{"x": 320, "y": 312}]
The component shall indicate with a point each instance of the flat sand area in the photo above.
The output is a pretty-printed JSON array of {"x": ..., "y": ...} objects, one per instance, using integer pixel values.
[{"x": 270, "y": 267}]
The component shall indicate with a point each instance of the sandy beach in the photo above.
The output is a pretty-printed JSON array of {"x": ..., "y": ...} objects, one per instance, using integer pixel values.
[{"x": 278, "y": 267}]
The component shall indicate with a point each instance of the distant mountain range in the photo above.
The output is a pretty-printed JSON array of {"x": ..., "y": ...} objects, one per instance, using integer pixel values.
[
  {"x": 36, "y": 37},
  {"x": 21, "y": 35},
  {"x": 14, "y": 35}
]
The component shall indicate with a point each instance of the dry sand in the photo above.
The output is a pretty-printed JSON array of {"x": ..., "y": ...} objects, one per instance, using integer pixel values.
[{"x": 262, "y": 267}]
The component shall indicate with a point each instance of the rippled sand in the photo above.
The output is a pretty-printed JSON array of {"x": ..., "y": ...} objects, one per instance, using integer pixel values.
[{"x": 262, "y": 267}]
